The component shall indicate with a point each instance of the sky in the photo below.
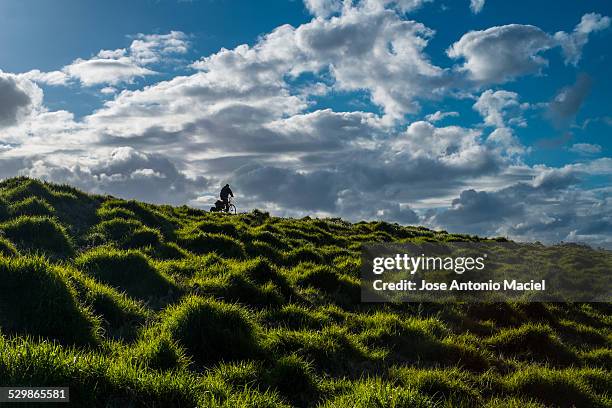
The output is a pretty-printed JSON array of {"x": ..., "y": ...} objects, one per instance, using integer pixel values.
[{"x": 484, "y": 117}]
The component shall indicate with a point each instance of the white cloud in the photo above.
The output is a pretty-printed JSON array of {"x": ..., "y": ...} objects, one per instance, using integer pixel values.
[
  {"x": 402, "y": 6},
  {"x": 375, "y": 51},
  {"x": 499, "y": 54},
  {"x": 585, "y": 148},
  {"x": 496, "y": 106},
  {"x": 327, "y": 8},
  {"x": 108, "y": 90},
  {"x": 48, "y": 78},
  {"x": 476, "y": 6},
  {"x": 114, "y": 67},
  {"x": 572, "y": 43},
  {"x": 378, "y": 52},
  {"x": 502, "y": 53},
  {"x": 150, "y": 48},
  {"x": 505, "y": 142},
  {"x": 323, "y": 8},
  {"x": 100, "y": 70},
  {"x": 439, "y": 115}
]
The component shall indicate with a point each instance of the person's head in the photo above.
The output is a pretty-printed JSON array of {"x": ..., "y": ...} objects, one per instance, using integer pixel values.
[{"x": 227, "y": 185}]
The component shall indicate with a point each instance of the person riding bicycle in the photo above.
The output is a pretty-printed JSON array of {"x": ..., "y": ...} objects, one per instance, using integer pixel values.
[{"x": 226, "y": 191}]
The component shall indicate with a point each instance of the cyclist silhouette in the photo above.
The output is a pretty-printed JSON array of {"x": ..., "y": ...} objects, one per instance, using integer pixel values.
[{"x": 226, "y": 192}]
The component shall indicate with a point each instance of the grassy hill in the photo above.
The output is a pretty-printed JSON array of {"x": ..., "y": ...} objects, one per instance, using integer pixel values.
[{"x": 132, "y": 304}]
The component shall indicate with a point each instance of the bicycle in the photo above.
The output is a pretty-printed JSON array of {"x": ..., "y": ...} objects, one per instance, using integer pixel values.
[
  {"x": 231, "y": 207},
  {"x": 220, "y": 206}
]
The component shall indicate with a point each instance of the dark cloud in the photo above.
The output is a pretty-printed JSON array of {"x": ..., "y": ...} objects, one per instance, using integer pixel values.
[
  {"x": 10, "y": 166},
  {"x": 549, "y": 209},
  {"x": 479, "y": 211},
  {"x": 14, "y": 99},
  {"x": 563, "y": 108},
  {"x": 363, "y": 206},
  {"x": 556, "y": 179},
  {"x": 555, "y": 142},
  {"x": 126, "y": 173},
  {"x": 315, "y": 191}
]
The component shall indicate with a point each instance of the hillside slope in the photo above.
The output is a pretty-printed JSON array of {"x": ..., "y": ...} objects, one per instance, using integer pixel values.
[{"x": 139, "y": 305}]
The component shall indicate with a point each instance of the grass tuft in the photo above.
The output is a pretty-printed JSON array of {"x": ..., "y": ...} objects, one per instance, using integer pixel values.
[
  {"x": 204, "y": 243},
  {"x": 378, "y": 393},
  {"x": 32, "y": 206},
  {"x": 130, "y": 271},
  {"x": 39, "y": 234},
  {"x": 37, "y": 300},
  {"x": 532, "y": 341},
  {"x": 212, "y": 331},
  {"x": 7, "y": 248}
]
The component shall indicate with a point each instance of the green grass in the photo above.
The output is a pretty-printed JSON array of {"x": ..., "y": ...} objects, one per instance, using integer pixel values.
[
  {"x": 204, "y": 243},
  {"x": 211, "y": 331},
  {"x": 32, "y": 206},
  {"x": 130, "y": 271},
  {"x": 36, "y": 299},
  {"x": 7, "y": 248},
  {"x": 132, "y": 304},
  {"x": 126, "y": 233},
  {"x": 533, "y": 342},
  {"x": 39, "y": 234},
  {"x": 121, "y": 316},
  {"x": 374, "y": 393}
]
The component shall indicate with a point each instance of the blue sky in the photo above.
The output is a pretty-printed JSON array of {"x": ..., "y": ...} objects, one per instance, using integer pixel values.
[{"x": 486, "y": 117}]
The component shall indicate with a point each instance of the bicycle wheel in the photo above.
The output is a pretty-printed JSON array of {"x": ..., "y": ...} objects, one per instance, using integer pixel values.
[{"x": 232, "y": 209}]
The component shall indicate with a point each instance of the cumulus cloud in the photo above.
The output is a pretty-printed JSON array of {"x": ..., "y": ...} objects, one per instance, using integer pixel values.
[
  {"x": 497, "y": 106},
  {"x": 452, "y": 145},
  {"x": 499, "y": 54},
  {"x": 556, "y": 178},
  {"x": 151, "y": 48},
  {"x": 53, "y": 78},
  {"x": 113, "y": 67},
  {"x": 549, "y": 208},
  {"x": 289, "y": 188},
  {"x": 476, "y": 6},
  {"x": 479, "y": 209},
  {"x": 363, "y": 206},
  {"x": 503, "y": 141},
  {"x": 18, "y": 98},
  {"x": 390, "y": 175},
  {"x": 123, "y": 172},
  {"x": 374, "y": 50},
  {"x": 326, "y": 8},
  {"x": 503, "y": 53},
  {"x": 323, "y": 8},
  {"x": 572, "y": 43}
]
